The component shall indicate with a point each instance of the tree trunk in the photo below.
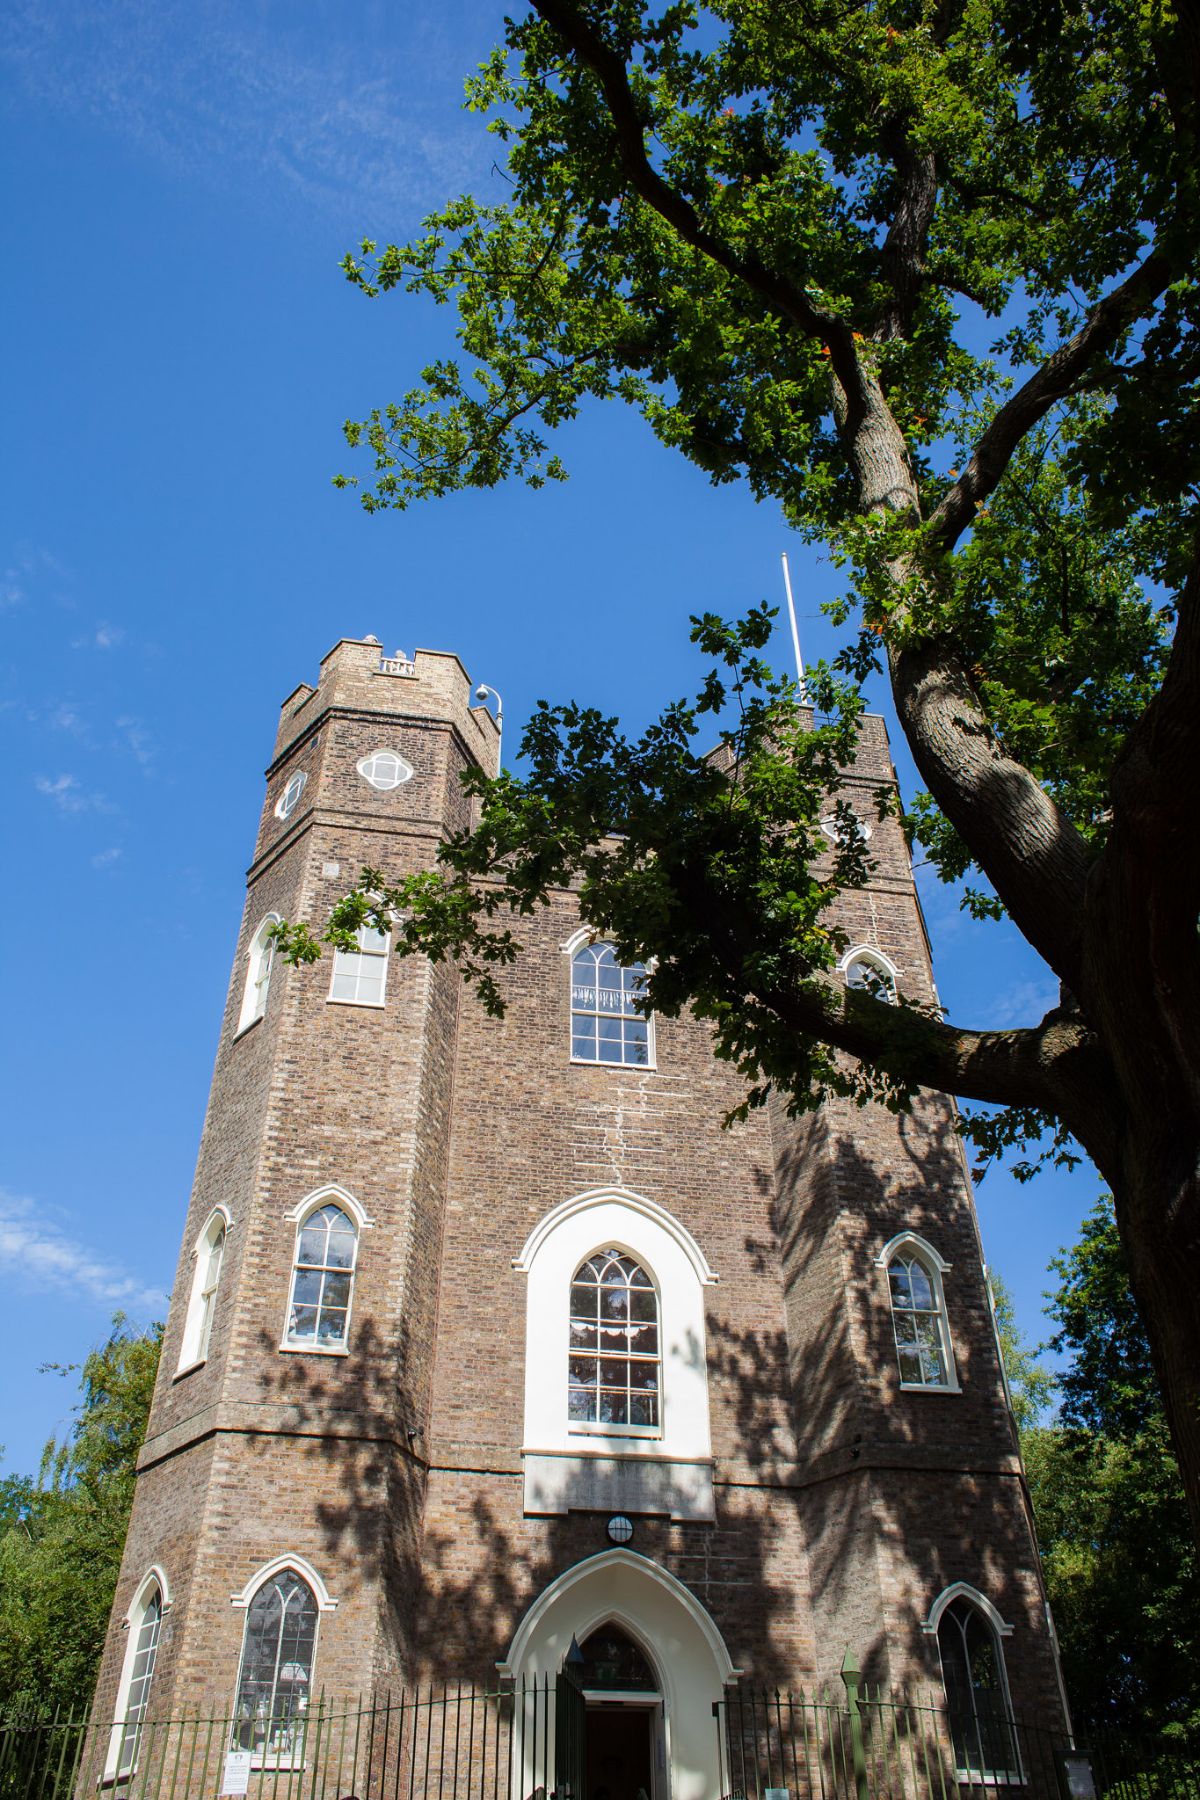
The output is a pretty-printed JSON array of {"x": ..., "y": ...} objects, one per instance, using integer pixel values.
[{"x": 1158, "y": 1214}]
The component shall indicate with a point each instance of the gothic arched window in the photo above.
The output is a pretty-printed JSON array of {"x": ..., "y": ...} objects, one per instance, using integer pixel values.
[
  {"x": 613, "y": 1661},
  {"x": 258, "y": 973},
  {"x": 322, "y": 1280},
  {"x": 919, "y": 1314},
  {"x": 872, "y": 974},
  {"x": 275, "y": 1679},
  {"x": 976, "y": 1693},
  {"x": 145, "y": 1627},
  {"x": 606, "y": 1026},
  {"x": 613, "y": 1371},
  {"x": 210, "y": 1254}
]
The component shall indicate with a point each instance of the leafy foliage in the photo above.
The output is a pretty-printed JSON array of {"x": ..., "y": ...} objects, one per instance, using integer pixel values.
[
  {"x": 1121, "y": 1569},
  {"x": 62, "y": 1536}
]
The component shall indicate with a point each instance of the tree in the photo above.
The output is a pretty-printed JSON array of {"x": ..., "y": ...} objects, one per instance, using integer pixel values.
[
  {"x": 784, "y": 231},
  {"x": 61, "y": 1537},
  {"x": 1121, "y": 1570}
]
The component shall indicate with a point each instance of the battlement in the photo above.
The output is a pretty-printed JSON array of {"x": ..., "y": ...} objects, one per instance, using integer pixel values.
[{"x": 356, "y": 676}]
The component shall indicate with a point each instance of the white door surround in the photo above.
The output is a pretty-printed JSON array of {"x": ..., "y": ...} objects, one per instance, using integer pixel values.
[{"x": 677, "y": 1634}]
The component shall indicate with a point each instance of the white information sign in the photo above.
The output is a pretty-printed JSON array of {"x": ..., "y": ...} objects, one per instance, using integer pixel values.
[{"x": 236, "y": 1779}]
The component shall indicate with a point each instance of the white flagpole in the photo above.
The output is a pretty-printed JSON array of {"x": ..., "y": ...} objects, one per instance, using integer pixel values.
[{"x": 787, "y": 583}]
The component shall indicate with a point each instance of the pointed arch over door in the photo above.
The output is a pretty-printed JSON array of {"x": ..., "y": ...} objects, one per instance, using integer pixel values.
[{"x": 664, "y": 1620}]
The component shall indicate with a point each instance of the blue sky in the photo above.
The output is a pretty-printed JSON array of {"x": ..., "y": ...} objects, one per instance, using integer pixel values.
[{"x": 182, "y": 182}]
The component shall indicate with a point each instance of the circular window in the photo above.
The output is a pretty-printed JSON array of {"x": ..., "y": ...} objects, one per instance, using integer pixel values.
[
  {"x": 287, "y": 802},
  {"x": 385, "y": 770}
]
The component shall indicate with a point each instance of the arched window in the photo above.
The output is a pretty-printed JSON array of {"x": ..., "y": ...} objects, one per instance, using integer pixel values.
[
  {"x": 871, "y": 974},
  {"x": 133, "y": 1695},
  {"x": 976, "y": 1687},
  {"x": 322, "y": 1280},
  {"x": 385, "y": 770},
  {"x": 258, "y": 974},
  {"x": 919, "y": 1313},
  {"x": 210, "y": 1254},
  {"x": 360, "y": 975},
  {"x": 613, "y": 1661},
  {"x": 275, "y": 1679},
  {"x": 613, "y": 1371},
  {"x": 606, "y": 1026}
]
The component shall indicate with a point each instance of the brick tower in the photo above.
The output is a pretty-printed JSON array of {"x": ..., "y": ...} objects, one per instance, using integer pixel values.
[{"x": 486, "y": 1337}]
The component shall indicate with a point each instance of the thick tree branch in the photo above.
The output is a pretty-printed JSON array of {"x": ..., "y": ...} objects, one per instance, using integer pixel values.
[
  {"x": 905, "y": 245},
  {"x": 1057, "y": 377}
]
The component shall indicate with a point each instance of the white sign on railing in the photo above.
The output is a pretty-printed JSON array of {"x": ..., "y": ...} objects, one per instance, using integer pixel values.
[{"x": 236, "y": 1779}]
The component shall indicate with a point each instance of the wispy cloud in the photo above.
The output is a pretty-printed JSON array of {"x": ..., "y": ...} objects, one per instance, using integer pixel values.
[
  {"x": 102, "y": 637},
  {"x": 69, "y": 794},
  {"x": 104, "y": 859},
  {"x": 1021, "y": 1003},
  {"x": 345, "y": 113},
  {"x": 49, "y": 1257},
  {"x": 138, "y": 741},
  {"x": 24, "y": 572}
]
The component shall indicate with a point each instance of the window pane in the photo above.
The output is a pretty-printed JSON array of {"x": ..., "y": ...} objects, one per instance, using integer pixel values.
[
  {"x": 614, "y": 1409},
  {"x": 343, "y": 982},
  {"x": 585, "y": 1300},
  {"x": 612, "y": 1372},
  {"x": 337, "y": 1291},
  {"x": 643, "y": 1409},
  {"x": 307, "y": 1289},
  {"x": 643, "y": 1304},
  {"x": 332, "y": 1328},
  {"x": 340, "y": 1254},
  {"x": 643, "y": 1375},
  {"x": 581, "y": 1405},
  {"x": 304, "y": 1322},
  {"x": 922, "y": 1292},
  {"x": 901, "y": 1288},
  {"x": 910, "y": 1366},
  {"x": 581, "y": 1371}
]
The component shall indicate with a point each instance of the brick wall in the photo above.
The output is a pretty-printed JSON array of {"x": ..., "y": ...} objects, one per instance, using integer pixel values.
[{"x": 844, "y": 1504}]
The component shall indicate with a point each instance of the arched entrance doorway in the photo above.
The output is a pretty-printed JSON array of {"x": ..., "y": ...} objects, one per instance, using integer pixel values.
[
  {"x": 625, "y": 1739},
  {"x": 648, "y": 1627}
]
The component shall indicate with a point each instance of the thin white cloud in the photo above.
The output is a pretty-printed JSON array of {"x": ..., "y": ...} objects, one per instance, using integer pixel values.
[
  {"x": 26, "y": 570},
  {"x": 1022, "y": 1003},
  {"x": 350, "y": 115},
  {"x": 104, "y": 859},
  {"x": 102, "y": 637},
  {"x": 69, "y": 794},
  {"x": 49, "y": 1258},
  {"x": 137, "y": 741}
]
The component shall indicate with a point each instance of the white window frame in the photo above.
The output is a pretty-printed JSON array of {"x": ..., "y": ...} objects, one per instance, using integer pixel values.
[
  {"x": 197, "y": 1327},
  {"x": 992, "y": 1618},
  {"x": 888, "y": 973},
  {"x": 357, "y": 956},
  {"x": 602, "y": 1427},
  {"x": 301, "y": 1567},
  {"x": 260, "y": 966},
  {"x": 331, "y": 1195},
  {"x": 289, "y": 800},
  {"x": 154, "y": 1581},
  {"x": 583, "y": 939},
  {"x": 935, "y": 1266},
  {"x": 404, "y": 771},
  {"x": 602, "y": 1219}
]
